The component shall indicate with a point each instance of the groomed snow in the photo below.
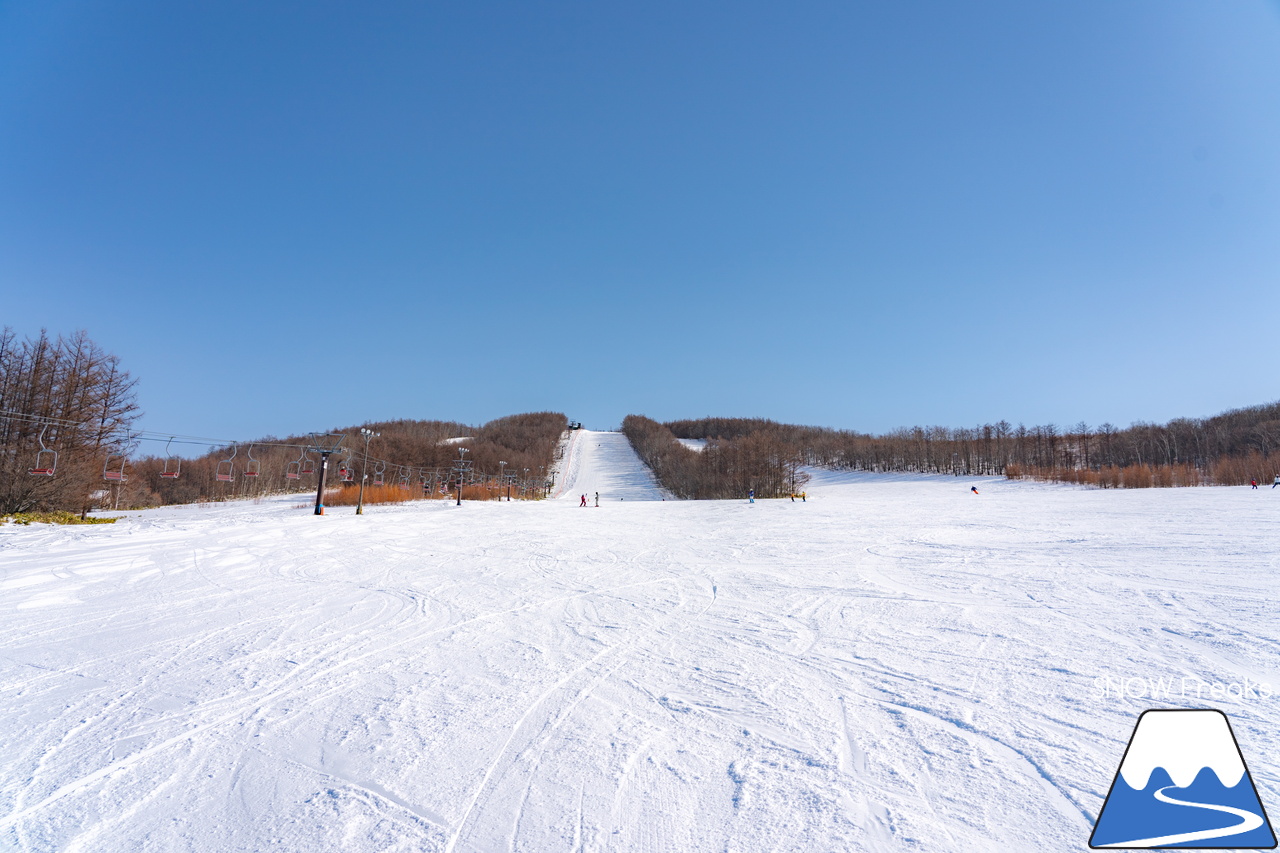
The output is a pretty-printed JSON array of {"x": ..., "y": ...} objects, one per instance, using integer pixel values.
[
  {"x": 894, "y": 664},
  {"x": 604, "y": 462}
]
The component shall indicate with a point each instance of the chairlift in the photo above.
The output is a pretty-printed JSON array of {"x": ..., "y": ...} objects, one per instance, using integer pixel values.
[
  {"x": 226, "y": 474},
  {"x": 172, "y": 464},
  {"x": 346, "y": 471},
  {"x": 252, "y": 467},
  {"x": 377, "y": 474},
  {"x": 308, "y": 464},
  {"x": 294, "y": 469},
  {"x": 110, "y": 472},
  {"x": 403, "y": 480},
  {"x": 46, "y": 459}
]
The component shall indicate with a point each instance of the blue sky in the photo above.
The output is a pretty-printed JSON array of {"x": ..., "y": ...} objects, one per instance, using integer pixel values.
[{"x": 292, "y": 216}]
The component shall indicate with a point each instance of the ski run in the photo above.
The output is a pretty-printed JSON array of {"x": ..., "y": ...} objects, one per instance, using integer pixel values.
[{"x": 894, "y": 664}]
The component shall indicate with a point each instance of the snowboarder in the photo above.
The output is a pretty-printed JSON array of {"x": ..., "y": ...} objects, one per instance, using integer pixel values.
[
  {"x": 584, "y": 501},
  {"x": 973, "y": 489},
  {"x": 597, "y": 499},
  {"x": 1254, "y": 483}
]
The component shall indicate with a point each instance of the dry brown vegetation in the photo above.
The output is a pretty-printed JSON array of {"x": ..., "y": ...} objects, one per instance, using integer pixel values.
[
  {"x": 414, "y": 459},
  {"x": 73, "y": 396},
  {"x": 349, "y": 495},
  {"x": 765, "y": 459},
  {"x": 1139, "y": 476}
]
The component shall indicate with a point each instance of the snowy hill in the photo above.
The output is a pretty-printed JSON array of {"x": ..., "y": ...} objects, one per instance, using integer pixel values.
[
  {"x": 604, "y": 462},
  {"x": 895, "y": 664}
]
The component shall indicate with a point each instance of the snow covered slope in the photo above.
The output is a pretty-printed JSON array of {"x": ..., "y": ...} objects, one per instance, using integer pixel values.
[
  {"x": 604, "y": 462},
  {"x": 896, "y": 664}
]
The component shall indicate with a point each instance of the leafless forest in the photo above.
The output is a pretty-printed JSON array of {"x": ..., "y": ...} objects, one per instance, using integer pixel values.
[
  {"x": 67, "y": 411},
  {"x": 408, "y": 459},
  {"x": 745, "y": 453},
  {"x": 68, "y": 442}
]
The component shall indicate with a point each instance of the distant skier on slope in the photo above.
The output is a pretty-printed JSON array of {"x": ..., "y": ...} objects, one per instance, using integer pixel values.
[
  {"x": 597, "y": 499},
  {"x": 1254, "y": 484},
  {"x": 1277, "y": 482},
  {"x": 973, "y": 489},
  {"x": 584, "y": 501}
]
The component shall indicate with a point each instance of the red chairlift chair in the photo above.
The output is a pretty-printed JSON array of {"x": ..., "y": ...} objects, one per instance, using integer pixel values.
[
  {"x": 225, "y": 471},
  {"x": 110, "y": 472}
]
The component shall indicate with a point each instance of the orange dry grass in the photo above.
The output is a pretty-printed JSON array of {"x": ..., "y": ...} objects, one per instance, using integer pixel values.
[
  {"x": 349, "y": 495},
  {"x": 486, "y": 492},
  {"x": 1239, "y": 470},
  {"x": 1112, "y": 477}
]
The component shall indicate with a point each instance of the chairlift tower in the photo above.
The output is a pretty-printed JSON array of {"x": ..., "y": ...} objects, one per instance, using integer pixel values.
[
  {"x": 364, "y": 466},
  {"x": 323, "y": 445},
  {"x": 461, "y": 468}
]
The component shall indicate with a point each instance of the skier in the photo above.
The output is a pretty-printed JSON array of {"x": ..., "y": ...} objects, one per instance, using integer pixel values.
[
  {"x": 584, "y": 501},
  {"x": 751, "y": 494},
  {"x": 973, "y": 489},
  {"x": 1254, "y": 483},
  {"x": 597, "y": 499},
  {"x": 1277, "y": 482}
]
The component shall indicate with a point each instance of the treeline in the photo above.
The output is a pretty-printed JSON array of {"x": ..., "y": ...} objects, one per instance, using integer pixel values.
[
  {"x": 1227, "y": 449},
  {"x": 417, "y": 456},
  {"x": 744, "y": 456},
  {"x": 68, "y": 443},
  {"x": 67, "y": 411}
]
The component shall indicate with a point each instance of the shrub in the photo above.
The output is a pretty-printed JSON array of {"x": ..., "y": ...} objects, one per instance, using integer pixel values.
[{"x": 54, "y": 517}]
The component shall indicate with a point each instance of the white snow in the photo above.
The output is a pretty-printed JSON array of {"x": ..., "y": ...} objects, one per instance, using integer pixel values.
[
  {"x": 895, "y": 664},
  {"x": 698, "y": 444},
  {"x": 604, "y": 462}
]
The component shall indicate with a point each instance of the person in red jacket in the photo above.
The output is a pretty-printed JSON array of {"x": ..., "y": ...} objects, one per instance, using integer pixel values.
[{"x": 584, "y": 501}]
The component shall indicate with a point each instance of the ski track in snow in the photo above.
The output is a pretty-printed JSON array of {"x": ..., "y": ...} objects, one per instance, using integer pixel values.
[{"x": 895, "y": 664}]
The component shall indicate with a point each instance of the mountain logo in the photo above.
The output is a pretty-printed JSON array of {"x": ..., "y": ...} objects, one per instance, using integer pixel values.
[{"x": 1183, "y": 783}]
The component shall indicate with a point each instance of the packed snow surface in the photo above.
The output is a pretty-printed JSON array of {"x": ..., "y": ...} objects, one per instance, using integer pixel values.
[
  {"x": 604, "y": 463},
  {"x": 895, "y": 664}
]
